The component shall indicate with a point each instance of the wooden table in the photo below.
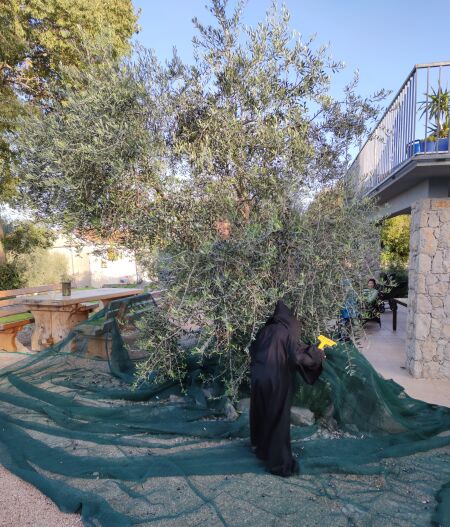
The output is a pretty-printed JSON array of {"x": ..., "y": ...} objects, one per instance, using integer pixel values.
[
  {"x": 397, "y": 301},
  {"x": 55, "y": 315}
]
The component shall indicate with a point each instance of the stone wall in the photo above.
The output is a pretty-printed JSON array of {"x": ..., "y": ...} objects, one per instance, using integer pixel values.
[{"x": 428, "y": 325}]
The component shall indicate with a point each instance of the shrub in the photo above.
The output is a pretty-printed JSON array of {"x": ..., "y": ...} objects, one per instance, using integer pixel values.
[
  {"x": 11, "y": 276},
  {"x": 43, "y": 266}
]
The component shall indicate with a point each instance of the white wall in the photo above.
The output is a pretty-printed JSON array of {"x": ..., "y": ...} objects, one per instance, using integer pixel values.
[
  {"x": 89, "y": 269},
  {"x": 104, "y": 271}
]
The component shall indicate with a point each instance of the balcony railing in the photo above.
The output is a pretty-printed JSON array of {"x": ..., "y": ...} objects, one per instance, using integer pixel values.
[{"x": 415, "y": 124}]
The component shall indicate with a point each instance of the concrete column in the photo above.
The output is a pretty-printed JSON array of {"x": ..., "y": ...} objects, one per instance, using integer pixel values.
[{"x": 428, "y": 325}]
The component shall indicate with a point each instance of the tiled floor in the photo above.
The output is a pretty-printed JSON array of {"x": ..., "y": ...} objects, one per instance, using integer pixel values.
[{"x": 385, "y": 349}]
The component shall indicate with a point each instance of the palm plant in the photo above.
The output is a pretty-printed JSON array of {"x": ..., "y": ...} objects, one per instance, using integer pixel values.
[{"x": 436, "y": 106}]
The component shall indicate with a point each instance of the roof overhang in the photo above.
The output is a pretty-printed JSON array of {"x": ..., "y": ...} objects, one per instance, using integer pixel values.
[{"x": 411, "y": 173}]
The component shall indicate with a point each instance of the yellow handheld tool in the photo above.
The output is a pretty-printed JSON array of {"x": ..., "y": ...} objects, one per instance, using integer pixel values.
[{"x": 325, "y": 342}]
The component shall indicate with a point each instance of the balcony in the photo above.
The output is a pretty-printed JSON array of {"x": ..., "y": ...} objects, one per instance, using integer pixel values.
[{"x": 410, "y": 144}]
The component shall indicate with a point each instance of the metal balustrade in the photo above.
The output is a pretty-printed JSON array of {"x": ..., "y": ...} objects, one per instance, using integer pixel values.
[{"x": 415, "y": 124}]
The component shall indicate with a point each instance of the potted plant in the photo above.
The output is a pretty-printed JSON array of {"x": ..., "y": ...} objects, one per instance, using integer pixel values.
[
  {"x": 436, "y": 106},
  {"x": 66, "y": 285}
]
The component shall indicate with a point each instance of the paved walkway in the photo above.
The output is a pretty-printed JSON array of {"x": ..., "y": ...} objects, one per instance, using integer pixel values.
[{"x": 385, "y": 349}]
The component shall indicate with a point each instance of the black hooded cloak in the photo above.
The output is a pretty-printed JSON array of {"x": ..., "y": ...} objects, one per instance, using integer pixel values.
[{"x": 275, "y": 356}]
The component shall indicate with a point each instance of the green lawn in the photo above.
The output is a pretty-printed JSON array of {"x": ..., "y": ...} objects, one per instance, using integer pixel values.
[{"x": 14, "y": 318}]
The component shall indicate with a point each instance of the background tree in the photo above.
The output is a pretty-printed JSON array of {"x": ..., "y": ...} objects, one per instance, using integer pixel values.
[
  {"x": 395, "y": 242},
  {"x": 44, "y": 266},
  {"x": 105, "y": 148},
  {"x": 24, "y": 245},
  {"x": 39, "y": 40},
  {"x": 23, "y": 237},
  {"x": 2, "y": 248},
  {"x": 250, "y": 133}
]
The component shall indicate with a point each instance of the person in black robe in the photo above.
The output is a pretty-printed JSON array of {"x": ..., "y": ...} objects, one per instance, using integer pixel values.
[{"x": 276, "y": 354}]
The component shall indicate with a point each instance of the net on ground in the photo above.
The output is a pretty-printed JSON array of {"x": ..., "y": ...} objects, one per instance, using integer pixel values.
[{"x": 74, "y": 427}]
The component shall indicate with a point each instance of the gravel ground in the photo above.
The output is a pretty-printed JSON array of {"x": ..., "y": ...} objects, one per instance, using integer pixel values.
[
  {"x": 247, "y": 495},
  {"x": 23, "y": 505}
]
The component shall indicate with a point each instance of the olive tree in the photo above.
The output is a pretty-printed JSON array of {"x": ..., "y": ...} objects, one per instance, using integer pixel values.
[{"x": 249, "y": 134}]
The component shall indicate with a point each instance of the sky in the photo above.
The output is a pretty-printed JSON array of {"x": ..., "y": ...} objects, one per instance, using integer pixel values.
[{"x": 382, "y": 39}]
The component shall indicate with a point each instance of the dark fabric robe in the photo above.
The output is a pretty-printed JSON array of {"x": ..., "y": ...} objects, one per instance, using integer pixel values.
[{"x": 275, "y": 357}]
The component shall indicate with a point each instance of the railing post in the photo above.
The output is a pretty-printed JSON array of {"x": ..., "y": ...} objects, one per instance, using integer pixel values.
[
  {"x": 438, "y": 131},
  {"x": 414, "y": 110},
  {"x": 448, "y": 145},
  {"x": 426, "y": 111}
]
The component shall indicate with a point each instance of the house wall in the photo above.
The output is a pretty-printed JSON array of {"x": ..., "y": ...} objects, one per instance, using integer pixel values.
[
  {"x": 78, "y": 262},
  {"x": 104, "y": 271},
  {"x": 87, "y": 269}
]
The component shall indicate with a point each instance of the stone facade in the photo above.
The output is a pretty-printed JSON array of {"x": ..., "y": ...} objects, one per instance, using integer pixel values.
[{"x": 428, "y": 325}]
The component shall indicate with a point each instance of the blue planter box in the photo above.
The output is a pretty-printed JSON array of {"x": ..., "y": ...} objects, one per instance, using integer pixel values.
[{"x": 421, "y": 147}]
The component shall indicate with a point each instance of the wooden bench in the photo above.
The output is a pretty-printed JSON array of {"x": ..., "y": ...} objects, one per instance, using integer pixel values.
[
  {"x": 107, "y": 286},
  {"x": 97, "y": 331},
  {"x": 14, "y": 316},
  {"x": 146, "y": 286}
]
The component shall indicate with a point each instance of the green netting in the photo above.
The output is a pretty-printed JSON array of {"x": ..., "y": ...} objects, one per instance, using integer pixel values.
[{"x": 73, "y": 426}]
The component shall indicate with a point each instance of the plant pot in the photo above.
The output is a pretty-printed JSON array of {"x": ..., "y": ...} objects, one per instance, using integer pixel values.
[
  {"x": 66, "y": 288},
  {"x": 425, "y": 147}
]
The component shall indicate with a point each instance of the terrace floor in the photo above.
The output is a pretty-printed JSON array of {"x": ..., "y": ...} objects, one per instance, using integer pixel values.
[{"x": 385, "y": 349}]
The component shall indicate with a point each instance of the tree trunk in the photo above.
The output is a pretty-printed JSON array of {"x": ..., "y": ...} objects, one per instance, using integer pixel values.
[{"x": 2, "y": 250}]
